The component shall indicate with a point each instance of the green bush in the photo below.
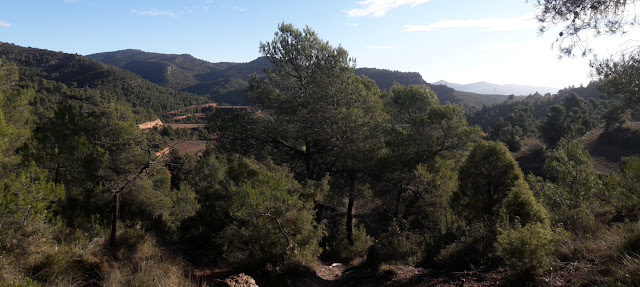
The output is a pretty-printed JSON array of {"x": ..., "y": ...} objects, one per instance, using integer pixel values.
[
  {"x": 580, "y": 221},
  {"x": 273, "y": 219},
  {"x": 398, "y": 246},
  {"x": 526, "y": 249},
  {"x": 474, "y": 248},
  {"x": 520, "y": 206},
  {"x": 26, "y": 199},
  {"x": 342, "y": 250}
]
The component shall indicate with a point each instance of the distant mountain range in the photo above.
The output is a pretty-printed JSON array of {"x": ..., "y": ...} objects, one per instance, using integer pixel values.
[
  {"x": 226, "y": 82},
  {"x": 495, "y": 89},
  {"x": 154, "y": 83}
]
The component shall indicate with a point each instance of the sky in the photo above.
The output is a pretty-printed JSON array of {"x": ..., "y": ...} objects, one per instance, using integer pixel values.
[{"x": 460, "y": 41}]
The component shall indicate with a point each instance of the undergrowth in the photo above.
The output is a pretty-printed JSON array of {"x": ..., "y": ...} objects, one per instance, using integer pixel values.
[{"x": 77, "y": 259}]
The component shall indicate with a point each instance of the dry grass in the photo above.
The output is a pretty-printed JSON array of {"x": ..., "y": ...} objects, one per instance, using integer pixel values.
[
  {"x": 609, "y": 257},
  {"x": 81, "y": 260}
]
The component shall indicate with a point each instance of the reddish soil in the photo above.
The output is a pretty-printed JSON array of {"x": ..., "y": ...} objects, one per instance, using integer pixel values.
[{"x": 194, "y": 148}]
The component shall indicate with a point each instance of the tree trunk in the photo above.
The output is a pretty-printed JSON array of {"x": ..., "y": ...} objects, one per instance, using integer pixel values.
[
  {"x": 352, "y": 198},
  {"x": 396, "y": 213},
  {"x": 307, "y": 161},
  {"x": 114, "y": 221}
]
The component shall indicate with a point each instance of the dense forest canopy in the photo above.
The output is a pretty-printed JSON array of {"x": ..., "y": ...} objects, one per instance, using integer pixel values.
[{"x": 330, "y": 164}]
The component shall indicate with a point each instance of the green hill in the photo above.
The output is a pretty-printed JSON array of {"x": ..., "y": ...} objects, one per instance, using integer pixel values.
[
  {"x": 385, "y": 78},
  {"x": 220, "y": 82},
  {"x": 54, "y": 74}
]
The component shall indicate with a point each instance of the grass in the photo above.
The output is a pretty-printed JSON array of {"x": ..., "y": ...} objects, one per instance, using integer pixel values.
[
  {"x": 81, "y": 260},
  {"x": 608, "y": 258}
]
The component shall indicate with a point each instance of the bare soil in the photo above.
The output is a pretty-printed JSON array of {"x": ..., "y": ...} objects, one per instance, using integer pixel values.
[
  {"x": 194, "y": 148},
  {"x": 337, "y": 274}
]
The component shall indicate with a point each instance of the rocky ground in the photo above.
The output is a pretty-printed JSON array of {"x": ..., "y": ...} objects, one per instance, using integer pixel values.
[{"x": 393, "y": 276}]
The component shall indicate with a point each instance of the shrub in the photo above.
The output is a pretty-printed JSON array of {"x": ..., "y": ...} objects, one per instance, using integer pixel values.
[
  {"x": 520, "y": 206},
  {"x": 398, "y": 246},
  {"x": 474, "y": 248},
  {"x": 342, "y": 250},
  {"x": 571, "y": 168},
  {"x": 25, "y": 202},
  {"x": 525, "y": 250},
  {"x": 273, "y": 220},
  {"x": 580, "y": 221}
]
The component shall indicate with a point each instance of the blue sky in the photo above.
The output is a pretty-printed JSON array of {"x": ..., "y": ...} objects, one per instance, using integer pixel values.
[{"x": 460, "y": 41}]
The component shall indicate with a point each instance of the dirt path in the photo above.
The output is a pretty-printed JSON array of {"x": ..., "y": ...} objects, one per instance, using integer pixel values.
[{"x": 394, "y": 276}]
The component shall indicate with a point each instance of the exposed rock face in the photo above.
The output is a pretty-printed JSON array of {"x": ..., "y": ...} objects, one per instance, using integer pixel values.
[
  {"x": 148, "y": 125},
  {"x": 240, "y": 280}
]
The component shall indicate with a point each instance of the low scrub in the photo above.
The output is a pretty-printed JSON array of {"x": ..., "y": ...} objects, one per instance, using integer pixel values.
[
  {"x": 526, "y": 250},
  {"x": 342, "y": 250},
  {"x": 399, "y": 247}
]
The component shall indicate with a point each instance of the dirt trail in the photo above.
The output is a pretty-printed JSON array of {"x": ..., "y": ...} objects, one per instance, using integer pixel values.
[{"x": 395, "y": 276}]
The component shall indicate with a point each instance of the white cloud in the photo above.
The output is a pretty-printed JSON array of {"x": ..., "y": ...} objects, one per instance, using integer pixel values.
[
  {"x": 154, "y": 12},
  {"x": 239, "y": 9},
  {"x": 379, "y": 8},
  {"x": 488, "y": 24},
  {"x": 4, "y": 25}
]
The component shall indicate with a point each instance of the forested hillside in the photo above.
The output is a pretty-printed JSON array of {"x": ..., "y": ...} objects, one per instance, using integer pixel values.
[
  {"x": 54, "y": 75},
  {"x": 572, "y": 111},
  {"x": 386, "y": 78},
  {"x": 220, "y": 82}
]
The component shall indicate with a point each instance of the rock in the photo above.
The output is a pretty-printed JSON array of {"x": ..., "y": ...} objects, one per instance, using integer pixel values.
[
  {"x": 240, "y": 280},
  {"x": 149, "y": 125}
]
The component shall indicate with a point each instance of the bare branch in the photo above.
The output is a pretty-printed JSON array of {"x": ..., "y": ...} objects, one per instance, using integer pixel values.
[{"x": 289, "y": 241}]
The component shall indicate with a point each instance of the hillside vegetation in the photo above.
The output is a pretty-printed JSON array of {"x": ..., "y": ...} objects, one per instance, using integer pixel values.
[
  {"x": 325, "y": 180},
  {"x": 55, "y": 75}
]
